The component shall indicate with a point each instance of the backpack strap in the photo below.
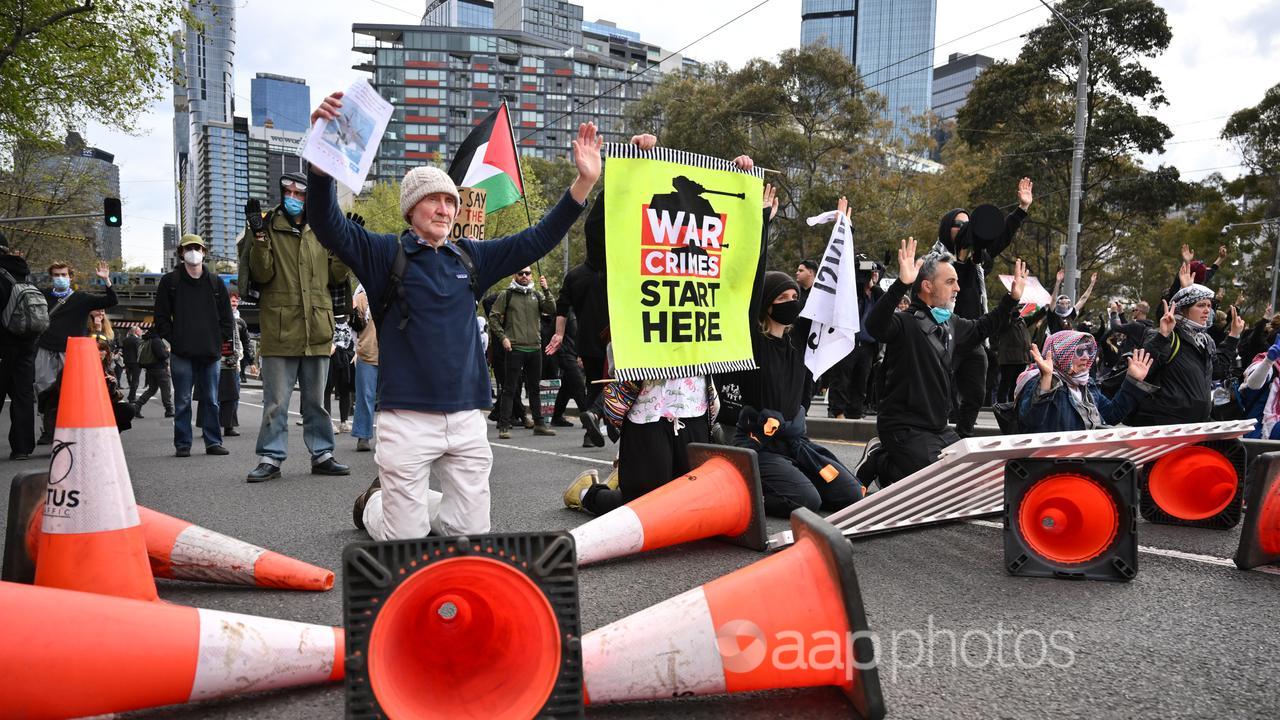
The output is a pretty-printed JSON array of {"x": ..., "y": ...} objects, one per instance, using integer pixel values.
[
  {"x": 465, "y": 258},
  {"x": 395, "y": 289}
]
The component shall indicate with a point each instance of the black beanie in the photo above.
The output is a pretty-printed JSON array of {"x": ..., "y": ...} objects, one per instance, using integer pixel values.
[{"x": 776, "y": 283}]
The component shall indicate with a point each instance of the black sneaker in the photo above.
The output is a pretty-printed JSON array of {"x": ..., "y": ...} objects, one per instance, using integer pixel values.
[
  {"x": 357, "y": 512},
  {"x": 183, "y": 452},
  {"x": 263, "y": 473},
  {"x": 137, "y": 411},
  {"x": 865, "y": 470},
  {"x": 559, "y": 421},
  {"x": 230, "y": 432},
  {"x": 591, "y": 423},
  {"x": 216, "y": 450},
  {"x": 330, "y": 467}
]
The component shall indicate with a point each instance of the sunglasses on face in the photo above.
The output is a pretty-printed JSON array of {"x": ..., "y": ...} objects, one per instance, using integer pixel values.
[
  {"x": 524, "y": 274},
  {"x": 959, "y": 223},
  {"x": 1086, "y": 351},
  {"x": 294, "y": 185}
]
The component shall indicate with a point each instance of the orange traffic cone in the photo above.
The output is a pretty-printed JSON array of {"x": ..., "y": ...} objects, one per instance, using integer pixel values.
[
  {"x": 184, "y": 551},
  {"x": 791, "y": 620},
  {"x": 177, "y": 549},
  {"x": 721, "y": 496},
  {"x": 1197, "y": 486},
  {"x": 72, "y": 654},
  {"x": 91, "y": 538},
  {"x": 458, "y": 628},
  {"x": 1260, "y": 536},
  {"x": 1071, "y": 518}
]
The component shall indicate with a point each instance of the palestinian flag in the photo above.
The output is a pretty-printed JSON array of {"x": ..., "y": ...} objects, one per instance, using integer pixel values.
[{"x": 487, "y": 160}]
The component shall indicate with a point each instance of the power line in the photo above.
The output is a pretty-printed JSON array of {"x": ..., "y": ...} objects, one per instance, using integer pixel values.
[{"x": 647, "y": 68}]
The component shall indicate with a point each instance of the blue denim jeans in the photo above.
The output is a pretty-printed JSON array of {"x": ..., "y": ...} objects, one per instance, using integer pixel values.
[
  {"x": 278, "y": 377},
  {"x": 366, "y": 394},
  {"x": 202, "y": 377}
]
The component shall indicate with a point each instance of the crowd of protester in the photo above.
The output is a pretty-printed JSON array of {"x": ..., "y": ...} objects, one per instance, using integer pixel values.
[{"x": 418, "y": 353}]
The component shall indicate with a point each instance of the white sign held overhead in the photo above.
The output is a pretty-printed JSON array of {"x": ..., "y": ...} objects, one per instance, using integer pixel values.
[
  {"x": 345, "y": 146},
  {"x": 833, "y": 300}
]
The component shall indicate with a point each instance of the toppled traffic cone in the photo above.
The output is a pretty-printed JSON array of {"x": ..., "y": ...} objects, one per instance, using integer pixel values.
[
  {"x": 1198, "y": 485},
  {"x": 721, "y": 496},
  {"x": 727, "y": 636},
  {"x": 91, "y": 538},
  {"x": 72, "y": 654},
  {"x": 1260, "y": 536},
  {"x": 177, "y": 549},
  {"x": 184, "y": 551}
]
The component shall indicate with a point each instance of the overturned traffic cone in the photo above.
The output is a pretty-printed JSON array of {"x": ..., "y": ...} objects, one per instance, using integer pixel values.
[
  {"x": 177, "y": 549},
  {"x": 91, "y": 538},
  {"x": 721, "y": 496},
  {"x": 791, "y": 620},
  {"x": 1073, "y": 518},
  {"x": 1197, "y": 486},
  {"x": 447, "y": 628},
  {"x": 72, "y": 654},
  {"x": 1260, "y": 536}
]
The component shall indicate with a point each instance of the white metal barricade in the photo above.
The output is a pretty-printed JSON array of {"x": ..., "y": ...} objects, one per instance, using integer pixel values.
[{"x": 968, "y": 479}]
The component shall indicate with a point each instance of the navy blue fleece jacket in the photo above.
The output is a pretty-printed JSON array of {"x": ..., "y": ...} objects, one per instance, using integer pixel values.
[{"x": 436, "y": 363}]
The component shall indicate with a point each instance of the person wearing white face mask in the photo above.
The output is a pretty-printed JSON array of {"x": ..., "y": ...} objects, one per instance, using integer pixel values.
[
  {"x": 193, "y": 313},
  {"x": 68, "y": 317}
]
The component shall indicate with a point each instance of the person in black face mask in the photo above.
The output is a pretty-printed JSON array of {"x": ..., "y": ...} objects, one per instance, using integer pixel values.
[
  {"x": 767, "y": 406},
  {"x": 974, "y": 258}
]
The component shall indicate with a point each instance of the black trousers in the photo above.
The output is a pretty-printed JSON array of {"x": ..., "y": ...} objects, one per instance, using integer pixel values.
[
  {"x": 650, "y": 455},
  {"x": 530, "y": 365},
  {"x": 1008, "y": 380},
  {"x": 573, "y": 385},
  {"x": 593, "y": 369},
  {"x": 17, "y": 383},
  {"x": 786, "y": 487},
  {"x": 849, "y": 384},
  {"x": 498, "y": 356},
  {"x": 134, "y": 374},
  {"x": 158, "y": 379},
  {"x": 970, "y": 372},
  {"x": 906, "y": 450}
]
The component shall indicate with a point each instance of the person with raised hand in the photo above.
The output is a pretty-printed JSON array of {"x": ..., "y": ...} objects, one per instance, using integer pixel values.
[
  {"x": 1057, "y": 393},
  {"x": 1187, "y": 360},
  {"x": 422, "y": 289},
  {"x": 920, "y": 343}
]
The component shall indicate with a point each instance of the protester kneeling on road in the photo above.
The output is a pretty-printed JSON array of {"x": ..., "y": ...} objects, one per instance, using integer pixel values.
[
  {"x": 432, "y": 375},
  {"x": 1057, "y": 392}
]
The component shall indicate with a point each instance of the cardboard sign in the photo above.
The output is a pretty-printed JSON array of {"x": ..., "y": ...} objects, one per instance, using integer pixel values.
[{"x": 470, "y": 220}]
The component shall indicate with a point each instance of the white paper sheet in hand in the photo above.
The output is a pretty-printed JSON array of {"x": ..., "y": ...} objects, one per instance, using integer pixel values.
[
  {"x": 345, "y": 147},
  {"x": 833, "y": 299}
]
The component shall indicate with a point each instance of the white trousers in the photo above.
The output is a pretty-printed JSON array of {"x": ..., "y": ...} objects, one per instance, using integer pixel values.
[{"x": 414, "y": 446}]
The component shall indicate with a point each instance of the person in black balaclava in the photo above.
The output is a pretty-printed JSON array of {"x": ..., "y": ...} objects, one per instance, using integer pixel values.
[
  {"x": 585, "y": 293},
  {"x": 973, "y": 261}
]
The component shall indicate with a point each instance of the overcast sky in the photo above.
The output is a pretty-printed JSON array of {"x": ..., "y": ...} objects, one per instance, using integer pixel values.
[{"x": 1222, "y": 58}]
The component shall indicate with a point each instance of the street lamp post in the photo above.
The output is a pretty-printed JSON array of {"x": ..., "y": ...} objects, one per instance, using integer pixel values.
[{"x": 1077, "y": 153}]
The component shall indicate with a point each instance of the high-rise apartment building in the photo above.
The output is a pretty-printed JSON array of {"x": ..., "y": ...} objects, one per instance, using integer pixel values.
[
  {"x": 459, "y": 13},
  {"x": 889, "y": 41},
  {"x": 282, "y": 100},
  {"x": 211, "y": 151},
  {"x": 953, "y": 81},
  {"x": 169, "y": 255},
  {"x": 443, "y": 80}
]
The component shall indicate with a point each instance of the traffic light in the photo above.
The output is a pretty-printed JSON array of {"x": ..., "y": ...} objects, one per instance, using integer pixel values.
[{"x": 111, "y": 211}]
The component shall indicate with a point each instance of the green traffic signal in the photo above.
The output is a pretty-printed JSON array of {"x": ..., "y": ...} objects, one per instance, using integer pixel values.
[{"x": 111, "y": 211}]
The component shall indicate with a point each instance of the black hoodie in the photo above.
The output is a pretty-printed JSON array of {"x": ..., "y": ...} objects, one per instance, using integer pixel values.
[
  {"x": 917, "y": 358},
  {"x": 969, "y": 302},
  {"x": 584, "y": 289}
]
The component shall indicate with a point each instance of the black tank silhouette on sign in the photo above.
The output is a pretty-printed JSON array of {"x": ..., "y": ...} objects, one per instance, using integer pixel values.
[{"x": 688, "y": 199}]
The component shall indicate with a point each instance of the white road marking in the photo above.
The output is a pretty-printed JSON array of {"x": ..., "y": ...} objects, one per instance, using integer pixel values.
[
  {"x": 1162, "y": 552},
  {"x": 242, "y": 402},
  {"x": 556, "y": 454}
]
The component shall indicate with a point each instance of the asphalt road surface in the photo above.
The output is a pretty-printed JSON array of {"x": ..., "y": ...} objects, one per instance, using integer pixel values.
[{"x": 1191, "y": 637}]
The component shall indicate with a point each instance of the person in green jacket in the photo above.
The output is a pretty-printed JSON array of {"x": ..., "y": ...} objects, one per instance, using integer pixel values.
[
  {"x": 516, "y": 322},
  {"x": 292, "y": 273}
]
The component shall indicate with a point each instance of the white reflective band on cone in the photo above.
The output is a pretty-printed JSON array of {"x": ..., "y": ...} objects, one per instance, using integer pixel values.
[
  {"x": 202, "y": 554},
  {"x": 89, "y": 487},
  {"x": 663, "y": 651},
  {"x": 614, "y": 534},
  {"x": 244, "y": 653}
]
